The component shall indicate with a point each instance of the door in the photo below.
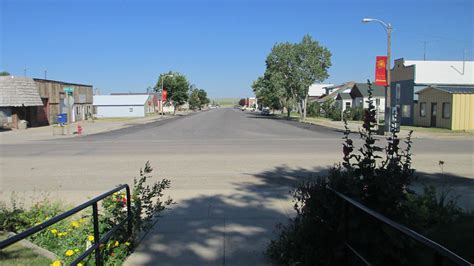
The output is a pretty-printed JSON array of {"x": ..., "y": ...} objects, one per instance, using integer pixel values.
[{"x": 434, "y": 108}]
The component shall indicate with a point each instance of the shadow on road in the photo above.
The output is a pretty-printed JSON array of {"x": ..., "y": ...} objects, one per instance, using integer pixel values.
[{"x": 228, "y": 228}]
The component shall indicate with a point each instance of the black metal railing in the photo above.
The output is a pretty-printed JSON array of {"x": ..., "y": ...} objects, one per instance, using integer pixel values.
[
  {"x": 440, "y": 253},
  {"x": 95, "y": 216}
]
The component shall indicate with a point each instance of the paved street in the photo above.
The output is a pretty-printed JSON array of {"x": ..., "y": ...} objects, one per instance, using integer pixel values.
[{"x": 230, "y": 172}]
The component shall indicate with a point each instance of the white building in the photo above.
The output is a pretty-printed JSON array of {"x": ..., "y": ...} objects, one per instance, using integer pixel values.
[
  {"x": 317, "y": 90},
  {"x": 122, "y": 105}
]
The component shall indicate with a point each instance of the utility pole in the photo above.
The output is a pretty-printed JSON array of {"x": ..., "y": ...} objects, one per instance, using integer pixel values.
[
  {"x": 45, "y": 74},
  {"x": 388, "y": 107},
  {"x": 424, "y": 50},
  {"x": 24, "y": 72}
]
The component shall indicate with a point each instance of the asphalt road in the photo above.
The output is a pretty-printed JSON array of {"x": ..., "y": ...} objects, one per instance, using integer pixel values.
[{"x": 230, "y": 172}]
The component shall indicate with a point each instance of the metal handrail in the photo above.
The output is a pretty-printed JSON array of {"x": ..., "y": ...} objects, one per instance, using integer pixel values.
[
  {"x": 439, "y": 249},
  {"x": 97, "y": 240}
]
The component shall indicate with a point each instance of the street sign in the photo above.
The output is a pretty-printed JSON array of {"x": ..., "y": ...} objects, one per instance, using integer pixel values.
[
  {"x": 69, "y": 100},
  {"x": 395, "y": 119},
  {"x": 68, "y": 90}
]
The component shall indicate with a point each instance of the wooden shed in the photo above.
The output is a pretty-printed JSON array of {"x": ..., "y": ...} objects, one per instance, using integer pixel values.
[{"x": 445, "y": 107}]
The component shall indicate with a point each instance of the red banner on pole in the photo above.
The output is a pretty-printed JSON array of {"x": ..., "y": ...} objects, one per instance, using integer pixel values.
[
  {"x": 381, "y": 71},
  {"x": 164, "y": 95}
]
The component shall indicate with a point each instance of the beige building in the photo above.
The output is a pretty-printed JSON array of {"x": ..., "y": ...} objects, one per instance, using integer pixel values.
[{"x": 445, "y": 107}]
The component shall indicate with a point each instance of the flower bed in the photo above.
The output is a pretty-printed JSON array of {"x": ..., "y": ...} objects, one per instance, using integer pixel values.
[{"x": 71, "y": 237}]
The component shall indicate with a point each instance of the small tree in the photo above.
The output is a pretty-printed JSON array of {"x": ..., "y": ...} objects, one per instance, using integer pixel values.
[
  {"x": 203, "y": 100},
  {"x": 177, "y": 87},
  {"x": 194, "y": 100},
  {"x": 4, "y": 73}
]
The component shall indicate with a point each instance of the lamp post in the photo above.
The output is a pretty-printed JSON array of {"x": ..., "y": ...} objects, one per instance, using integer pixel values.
[
  {"x": 162, "y": 81},
  {"x": 388, "y": 29}
]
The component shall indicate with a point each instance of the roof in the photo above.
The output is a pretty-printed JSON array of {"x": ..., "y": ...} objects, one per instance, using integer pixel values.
[
  {"x": 344, "y": 96},
  {"x": 318, "y": 89},
  {"x": 377, "y": 91},
  {"x": 443, "y": 72},
  {"x": 61, "y": 82},
  {"x": 451, "y": 90},
  {"x": 18, "y": 91},
  {"x": 337, "y": 89},
  {"x": 117, "y": 100}
]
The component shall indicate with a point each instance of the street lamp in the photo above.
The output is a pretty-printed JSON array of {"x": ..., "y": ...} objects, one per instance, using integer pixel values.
[
  {"x": 388, "y": 28},
  {"x": 162, "y": 81}
]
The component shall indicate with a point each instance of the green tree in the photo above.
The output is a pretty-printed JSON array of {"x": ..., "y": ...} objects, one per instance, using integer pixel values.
[
  {"x": 294, "y": 67},
  {"x": 268, "y": 92},
  {"x": 4, "y": 73},
  {"x": 194, "y": 100},
  {"x": 177, "y": 87},
  {"x": 202, "y": 95}
]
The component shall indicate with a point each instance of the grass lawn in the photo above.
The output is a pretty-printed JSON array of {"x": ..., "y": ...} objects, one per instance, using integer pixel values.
[
  {"x": 437, "y": 130},
  {"x": 19, "y": 255},
  {"x": 226, "y": 102}
]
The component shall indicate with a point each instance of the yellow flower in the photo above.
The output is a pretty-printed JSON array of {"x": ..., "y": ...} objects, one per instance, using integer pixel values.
[
  {"x": 82, "y": 220},
  {"x": 115, "y": 193},
  {"x": 54, "y": 231},
  {"x": 75, "y": 224},
  {"x": 116, "y": 244},
  {"x": 56, "y": 263},
  {"x": 79, "y": 264},
  {"x": 76, "y": 250},
  {"x": 69, "y": 253},
  {"x": 127, "y": 243},
  {"x": 90, "y": 238}
]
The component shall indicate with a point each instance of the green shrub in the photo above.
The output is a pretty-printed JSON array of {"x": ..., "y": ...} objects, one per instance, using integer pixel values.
[
  {"x": 354, "y": 113},
  {"x": 378, "y": 178},
  {"x": 314, "y": 109}
]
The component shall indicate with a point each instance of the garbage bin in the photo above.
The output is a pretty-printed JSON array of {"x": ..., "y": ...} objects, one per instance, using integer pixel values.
[
  {"x": 62, "y": 118},
  {"x": 23, "y": 124}
]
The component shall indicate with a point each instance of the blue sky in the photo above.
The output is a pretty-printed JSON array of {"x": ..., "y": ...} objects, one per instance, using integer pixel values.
[{"x": 220, "y": 46}]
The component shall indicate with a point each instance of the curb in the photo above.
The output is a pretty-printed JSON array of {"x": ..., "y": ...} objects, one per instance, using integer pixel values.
[{"x": 35, "y": 248}]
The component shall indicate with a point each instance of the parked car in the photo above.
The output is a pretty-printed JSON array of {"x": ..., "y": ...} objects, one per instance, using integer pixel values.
[{"x": 265, "y": 111}]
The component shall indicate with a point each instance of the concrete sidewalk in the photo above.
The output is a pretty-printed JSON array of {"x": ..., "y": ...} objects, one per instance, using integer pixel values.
[{"x": 96, "y": 126}]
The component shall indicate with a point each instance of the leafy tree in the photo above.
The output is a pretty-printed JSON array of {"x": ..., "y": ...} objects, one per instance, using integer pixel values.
[
  {"x": 4, "y": 73},
  {"x": 202, "y": 95},
  {"x": 177, "y": 87},
  {"x": 291, "y": 69},
  {"x": 194, "y": 101}
]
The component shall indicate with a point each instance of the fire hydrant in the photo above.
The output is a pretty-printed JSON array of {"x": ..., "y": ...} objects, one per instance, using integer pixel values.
[{"x": 79, "y": 130}]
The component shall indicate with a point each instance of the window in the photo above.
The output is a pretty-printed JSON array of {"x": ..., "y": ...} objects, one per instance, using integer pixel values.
[
  {"x": 377, "y": 102},
  {"x": 446, "y": 110},
  {"x": 397, "y": 92},
  {"x": 406, "y": 110},
  {"x": 131, "y": 109},
  {"x": 348, "y": 105},
  {"x": 423, "y": 109}
]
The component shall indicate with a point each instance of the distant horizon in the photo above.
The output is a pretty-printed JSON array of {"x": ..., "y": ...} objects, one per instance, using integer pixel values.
[{"x": 220, "y": 46}]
